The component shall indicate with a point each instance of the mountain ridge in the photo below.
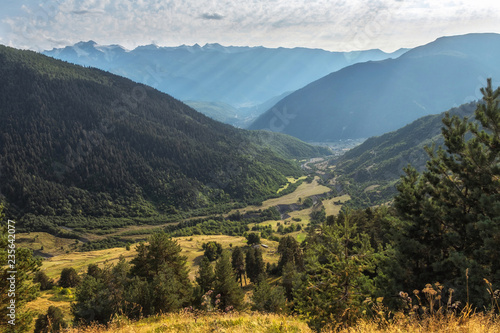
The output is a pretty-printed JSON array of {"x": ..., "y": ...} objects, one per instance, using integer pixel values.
[
  {"x": 372, "y": 98},
  {"x": 237, "y": 75}
]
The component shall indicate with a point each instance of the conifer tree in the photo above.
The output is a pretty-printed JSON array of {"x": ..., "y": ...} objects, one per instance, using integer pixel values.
[
  {"x": 334, "y": 286},
  {"x": 290, "y": 252},
  {"x": 69, "y": 278},
  {"x": 453, "y": 208},
  {"x": 268, "y": 299},
  {"x": 238, "y": 262},
  {"x": 162, "y": 266},
  {"x": 51, "y": 322},
  {"x": 231, "y": 295},
  {"x": 255, "y": 266},
  {"x": 206, "y": 276},
  {"x": 25, "y": 290}
]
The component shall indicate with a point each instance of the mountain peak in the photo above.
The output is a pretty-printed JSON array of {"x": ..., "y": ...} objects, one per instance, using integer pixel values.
[{"x": 89, "y": 44}]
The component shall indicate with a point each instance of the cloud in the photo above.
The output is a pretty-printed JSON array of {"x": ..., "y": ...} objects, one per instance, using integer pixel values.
[
  {"x": 211, "y": 16},
  {"x": 85, "y": 12},
  {"x": 329, "y": 24}
]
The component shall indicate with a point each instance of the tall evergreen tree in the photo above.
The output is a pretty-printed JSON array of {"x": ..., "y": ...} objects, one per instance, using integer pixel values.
[
  {"x": 162, "y": 266},
  {"x": 238, "y": 262},
  {"x": 268, "y": 299},
  {"x": 453, "y": 208},
  {"x": 102, "y": 294},
  {"x": 255, "y": 266},
  {"x": 206, "y": 276},
  {"x": 26, "y": 265},
  {"x": 225, "y": 284},
  {"x": 290, "y": 252},
  {"x": 334, "y": 285}
]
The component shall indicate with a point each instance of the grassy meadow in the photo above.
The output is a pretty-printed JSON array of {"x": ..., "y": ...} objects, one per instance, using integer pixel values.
[{"x": 260, "y": 323}]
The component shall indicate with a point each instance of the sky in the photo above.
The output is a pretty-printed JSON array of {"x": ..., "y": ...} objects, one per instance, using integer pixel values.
[{"x": 335, "y": 25}]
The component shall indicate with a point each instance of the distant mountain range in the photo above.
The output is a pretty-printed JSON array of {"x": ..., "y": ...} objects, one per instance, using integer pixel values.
[
  {"x": 239, "y": 76},
  {"x": 376, "y": 97},
  {"x": 78, "y": 141}
]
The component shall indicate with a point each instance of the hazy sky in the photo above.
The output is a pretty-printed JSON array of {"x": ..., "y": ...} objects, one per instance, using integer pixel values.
[{"x": 328, "y": 24}]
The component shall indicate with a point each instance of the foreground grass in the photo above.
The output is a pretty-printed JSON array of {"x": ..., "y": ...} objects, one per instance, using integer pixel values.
[
  {"x": 475, "y": 323},
  {"x": 258, "y": 322},
  {"x": 187, "y": 322}
]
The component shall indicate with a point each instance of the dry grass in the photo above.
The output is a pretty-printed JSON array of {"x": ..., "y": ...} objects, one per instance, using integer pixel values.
[
  {"x": 191, "y": 248},
  {"x": 475, "y": 323},
  {"x": 331, "y": 208},
  {"x": 291, "y": 180},
  {"x": 303, "y": 191},
  {"x": 187, "y": 322},
  {"x": 80, "y": 260},
  {"x": 258, "y": 322}
]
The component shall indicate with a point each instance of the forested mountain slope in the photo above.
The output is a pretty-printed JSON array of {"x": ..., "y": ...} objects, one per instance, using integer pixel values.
[
  {"x": 82, "y": 142},
  {"x": 372, "y": 168}
]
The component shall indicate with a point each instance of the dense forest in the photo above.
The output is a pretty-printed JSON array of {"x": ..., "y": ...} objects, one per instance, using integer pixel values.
[{"x": 80, "y": 142}]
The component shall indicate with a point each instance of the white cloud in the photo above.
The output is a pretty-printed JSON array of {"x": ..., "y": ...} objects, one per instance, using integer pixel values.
[{"x": 335, "y": 25}]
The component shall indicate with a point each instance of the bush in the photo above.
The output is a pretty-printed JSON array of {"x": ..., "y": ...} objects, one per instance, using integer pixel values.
[
  {"x": 43, "y": 279},
  {"x": 53, "y": 321},
  {"x": 69, "y": 278}
]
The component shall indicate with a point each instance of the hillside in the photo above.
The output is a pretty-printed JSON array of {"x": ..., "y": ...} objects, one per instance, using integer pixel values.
[
  {"x": 82, "y": 142},
  {"x": 239, "y": 76},
  {"x": 372, "y": 168},
  {"x": 373, "y": 98}
]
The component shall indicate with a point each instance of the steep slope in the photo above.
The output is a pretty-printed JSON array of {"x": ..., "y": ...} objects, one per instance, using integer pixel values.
[
  {"x": 239, "y": 76},
  {"x": 371, "y": 169},
  {"x": 81, "y": 142},
  {"x": 373, "y": 98}
]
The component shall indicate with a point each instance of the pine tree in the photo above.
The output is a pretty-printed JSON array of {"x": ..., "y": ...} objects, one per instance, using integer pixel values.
[
  {"x": 69, "y": 278},
  {"x": 238, "y": 262},
  {"x": 165, "y": 270},
  {"x": 45, "y": 282},
  {"x": 334, "y": 285},
  {"x": 255, "y": 265},
  {"x": 268, "y": 299},
  {"x": 453, "y": 208},
  {"x": 102, "y": 293},
  {"x": 289, "y": 274},
  {"x": 290, "y": 252},
  {"x": 206, "y": 276},
  {"x": 25, "y": 290},
  {"x": 231, "y": 295}
]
